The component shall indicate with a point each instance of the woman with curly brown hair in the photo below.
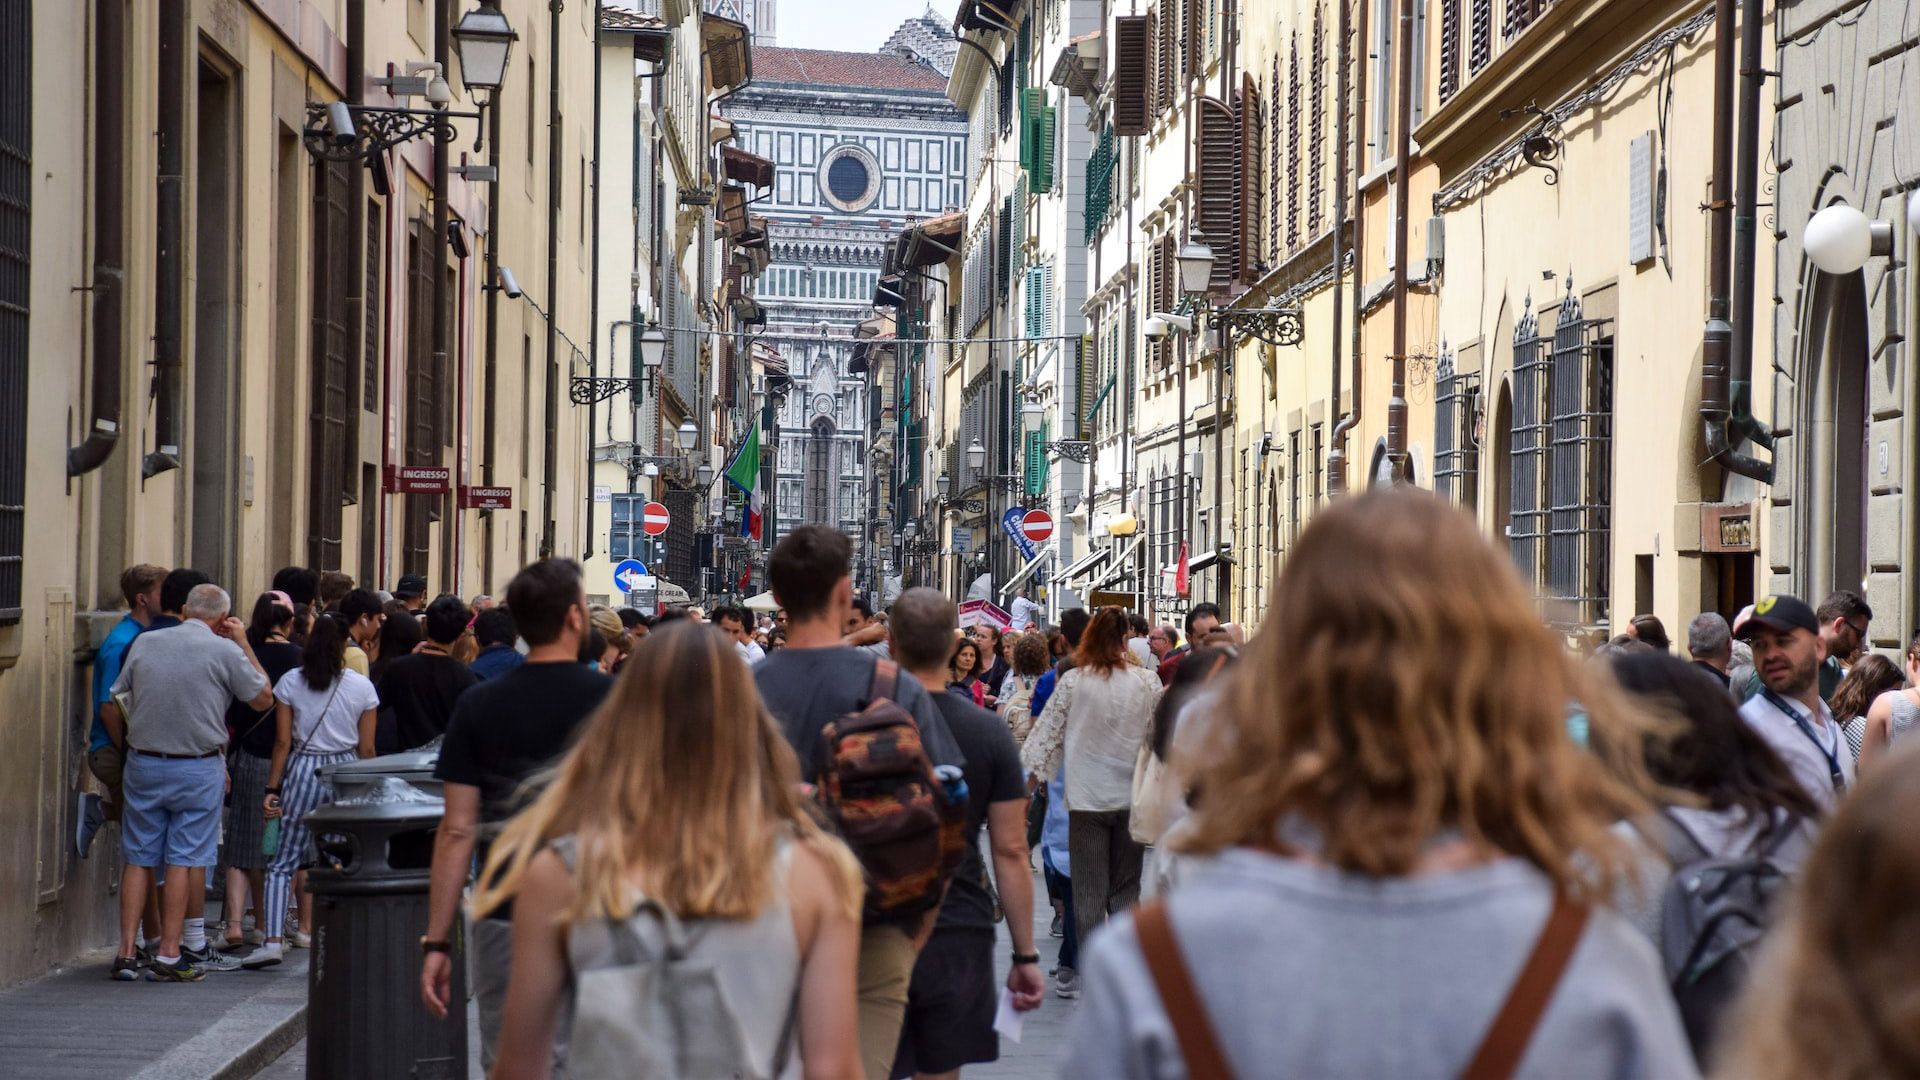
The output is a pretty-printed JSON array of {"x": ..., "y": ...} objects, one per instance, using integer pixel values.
[
  {"x": 1395, "y": 824},
  {"x": 1838, "y": 995}
]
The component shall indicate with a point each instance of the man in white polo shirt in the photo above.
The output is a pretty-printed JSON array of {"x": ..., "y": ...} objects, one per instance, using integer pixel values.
[{"x": 1788, "y": 711}]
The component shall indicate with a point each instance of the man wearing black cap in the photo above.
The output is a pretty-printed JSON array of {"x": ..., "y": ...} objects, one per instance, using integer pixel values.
[
  {"x": 412, "y": 592},
  {"x": 1788, "y": 712}
]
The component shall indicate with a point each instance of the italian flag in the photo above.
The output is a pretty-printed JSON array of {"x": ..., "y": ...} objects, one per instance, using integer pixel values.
[{"x": 744, "y": 473}]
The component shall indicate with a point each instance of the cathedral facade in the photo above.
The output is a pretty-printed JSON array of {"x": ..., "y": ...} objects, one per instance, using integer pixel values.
[{"x": 863, "y": 143}]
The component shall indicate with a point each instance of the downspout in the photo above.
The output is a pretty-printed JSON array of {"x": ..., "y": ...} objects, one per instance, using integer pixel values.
[
  {"x": 593, "y": 298},
  {"x": 442, "y": 323},
  {"x": 357, "y": 298},
  {"x": 1343, "y": 421},
  {"x": 1403, "y": 158},
  {"x": 490, "y": 271},
  {"x": 169, "y": 237},
  {"x": 1359, "y": 244},
  {"x": 549, "y": 467},
  {"x": 109, "y": 239},
  {"x": 1726, "y": 381}
]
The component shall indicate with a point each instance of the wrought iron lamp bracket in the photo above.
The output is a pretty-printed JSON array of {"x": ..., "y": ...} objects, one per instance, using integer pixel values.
[
  {"x": 376, "y": 129},
  {"x": 1079, "y": 450},
  {"x": 591, "y": 390}
]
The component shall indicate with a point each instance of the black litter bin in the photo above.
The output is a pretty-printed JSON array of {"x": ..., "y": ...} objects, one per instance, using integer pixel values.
[
  {"x": 365, "y": 1018},
  {"x": 350, "y": 778}
]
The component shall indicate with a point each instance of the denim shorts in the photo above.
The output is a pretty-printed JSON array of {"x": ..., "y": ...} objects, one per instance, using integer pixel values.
[{"x": 172, "y": 811}]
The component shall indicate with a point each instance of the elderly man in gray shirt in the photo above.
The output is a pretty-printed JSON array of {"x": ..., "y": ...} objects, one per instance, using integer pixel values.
[{"x": 176, "y": 685}]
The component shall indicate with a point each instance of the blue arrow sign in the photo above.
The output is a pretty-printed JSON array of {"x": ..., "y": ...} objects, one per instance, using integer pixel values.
[{"x": 628, "y": 574}]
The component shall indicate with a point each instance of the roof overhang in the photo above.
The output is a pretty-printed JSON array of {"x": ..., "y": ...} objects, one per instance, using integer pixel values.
[
  {"x": 727, "y": 51},
  {"x": 993, "y": 16},
  {"x": 649, "y": 36},
  {"x": 932, "y": 241},
  {"x": 1081, "y": 67},
  {"x": 746, "y": 167}
]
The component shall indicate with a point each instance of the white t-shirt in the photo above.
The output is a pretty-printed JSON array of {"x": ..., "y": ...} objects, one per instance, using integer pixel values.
[{"x": 339, "y": 729}]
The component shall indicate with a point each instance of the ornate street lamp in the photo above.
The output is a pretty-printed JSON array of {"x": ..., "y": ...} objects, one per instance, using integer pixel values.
[
  {"x": 943, "y": 485},
  {"x": 653, "y": 346},
  {"x": 686, "y": 435},
  {"x": 1196, "y": 265},
  {"x": 483, "y": 43},
  {"x": 976, "y": 456}
]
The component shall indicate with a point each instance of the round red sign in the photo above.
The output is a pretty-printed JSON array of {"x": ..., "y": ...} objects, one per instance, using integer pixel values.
[
  {"x": 1037, "y": 525},
  {"x": 654, "y": 519}
]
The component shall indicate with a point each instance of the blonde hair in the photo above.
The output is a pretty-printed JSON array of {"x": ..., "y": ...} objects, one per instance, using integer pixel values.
[
  {"x": 1837, "y": 994},
  {"x": 1403, "y": 685},
  {"x": 679, "y": 784}
]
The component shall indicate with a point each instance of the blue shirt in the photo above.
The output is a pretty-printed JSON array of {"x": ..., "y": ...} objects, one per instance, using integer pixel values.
[
  {"x": 495, "y": 661},
  {"x": 1053, "y": 829},
  {"x": 106, "y": 670}
]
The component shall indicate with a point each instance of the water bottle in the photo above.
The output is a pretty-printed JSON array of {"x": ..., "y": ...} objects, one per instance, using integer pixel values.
[
  {"x": 270, "y": 841},
  {"x": 953, "y": 780}
]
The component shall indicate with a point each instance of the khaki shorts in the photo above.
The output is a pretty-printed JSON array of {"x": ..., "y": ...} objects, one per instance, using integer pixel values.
[{"x": 109, "y": 766}]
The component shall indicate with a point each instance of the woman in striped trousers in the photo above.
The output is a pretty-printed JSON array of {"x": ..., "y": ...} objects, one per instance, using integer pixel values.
[{"x": 325, "y": 713}]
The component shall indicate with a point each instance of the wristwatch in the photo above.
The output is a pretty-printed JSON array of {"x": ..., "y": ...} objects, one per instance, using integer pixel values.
[
  {"x": 433, "y": 945},
  {"x": 1026, "y": 958}
]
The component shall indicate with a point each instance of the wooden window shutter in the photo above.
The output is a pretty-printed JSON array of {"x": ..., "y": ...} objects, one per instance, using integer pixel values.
[
  {"x": 1032, "y": 100},
  {"x": 1481, "y": 40},
  {"x": 1294, "y": 135},
  {"x": 1004, "y": 270},
  {"x": 1521, "y": 13},
  {"x": 1217, "y": 202},
  {"x": 1192, "y": 37},
  {"x": 1167, "y": 70},
  {"x": 1276, "y": 138},
  {"x": 1043, "y": 154},
  {"x": 1156, "y": 350},
  {"x": 1249, "y": 184},
  {"x": 1035, "y": 301},
  {"x": 1317, "y": 126},
  {"x": 1449, "y": 48},
  {"x": 1132, "y": 74}
]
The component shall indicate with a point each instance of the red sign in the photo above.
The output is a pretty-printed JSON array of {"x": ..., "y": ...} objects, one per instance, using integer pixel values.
[
  {"x": 654, "y": 519},
  {"x": 486, "y": 498},
  {"x": 419, "y": 479},
  {"x": 1037, "y": 525}
]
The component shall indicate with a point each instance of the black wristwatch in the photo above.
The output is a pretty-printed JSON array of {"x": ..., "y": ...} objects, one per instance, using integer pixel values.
[
  {"x": 435, "y": 945},
  {"x": 1026, "y": 958}
]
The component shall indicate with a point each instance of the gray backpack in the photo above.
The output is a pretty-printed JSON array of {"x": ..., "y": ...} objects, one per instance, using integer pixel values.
[{"x": 1713, "y": 915}]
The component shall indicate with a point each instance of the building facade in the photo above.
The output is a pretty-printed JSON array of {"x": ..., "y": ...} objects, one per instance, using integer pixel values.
[{"x": 861, "y": 144}]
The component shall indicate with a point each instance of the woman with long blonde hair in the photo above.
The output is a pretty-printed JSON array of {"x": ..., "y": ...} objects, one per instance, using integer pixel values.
[
  {"x": 1837, "y": 995},
  {"x": 679, "y": 808},
  {"x": 1392, "y": 823}
]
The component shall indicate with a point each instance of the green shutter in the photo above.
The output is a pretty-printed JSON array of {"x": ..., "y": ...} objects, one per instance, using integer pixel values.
[
  {"x": 1032, "y": 101},
  {"x": 1043, "y": 151},
  {"x": 1034, "y": 290},
  {"x": 1037, "y": 461}
]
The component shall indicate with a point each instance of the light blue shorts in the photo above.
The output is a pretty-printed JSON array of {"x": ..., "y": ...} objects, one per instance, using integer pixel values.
[{"x": 172, "y": 812}]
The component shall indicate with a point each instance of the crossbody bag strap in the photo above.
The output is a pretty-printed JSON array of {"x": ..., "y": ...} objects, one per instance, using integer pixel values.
[
  {"x": 1191, "y": 1028},
  {"x": 301, "y": 745},
  {"x": 1506, "y": 1041}
]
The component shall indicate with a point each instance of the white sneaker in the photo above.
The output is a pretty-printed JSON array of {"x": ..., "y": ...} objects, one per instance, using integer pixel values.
[
  {"x": 299, "y": 939},
  {"x": 1066, "y": 984},
  {"x": 265, "y": 956}
]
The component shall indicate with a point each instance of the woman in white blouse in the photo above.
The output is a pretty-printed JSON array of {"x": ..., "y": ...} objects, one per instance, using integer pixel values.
[{"x": 1094, "y": 724}]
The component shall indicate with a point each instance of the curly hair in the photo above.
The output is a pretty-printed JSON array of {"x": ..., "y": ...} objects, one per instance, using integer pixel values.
[{"x": 1403, "y": 686}]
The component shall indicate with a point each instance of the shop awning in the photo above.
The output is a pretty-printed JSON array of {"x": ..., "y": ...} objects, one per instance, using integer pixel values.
[
  {"x": 1204, "y": 562},
  {"x": 1122, "y": 565},
  {"x": 931, "y": 242},
  {"x": 1084, "y": 565},
  {"x": 747, "y": 168},
  {"x": 1026, "y": 572}
]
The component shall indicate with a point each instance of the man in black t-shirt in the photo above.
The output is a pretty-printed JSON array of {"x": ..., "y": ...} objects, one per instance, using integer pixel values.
[
  {"x": 814, "y": 680},
  {"x": 951, "y": 1000},
  {"x": 421, "y": 687},
  {"x": 502, "y": 733}
]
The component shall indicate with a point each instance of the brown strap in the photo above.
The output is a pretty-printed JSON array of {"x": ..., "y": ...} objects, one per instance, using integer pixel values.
[
  {"x": 886, "y": 681},
  {"x": 1190, "y": 1025},
  {"x": 1506, "y": 1041}
]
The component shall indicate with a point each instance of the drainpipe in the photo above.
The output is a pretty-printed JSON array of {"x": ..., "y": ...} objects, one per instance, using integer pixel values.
[
  {"x": 357, "y": 298},
  {"x": 490, "y": 313},
  {"x": 1403, "y": 155},
  {"x": 549, "y": 466},
  {"x": 593, "y": 298},
  {"x": 1343, "y": 421},
  {"x": 1725, "y": 372},
  {"x": 109, "y": 240},
  {"x": 442, "y": 323},
  {"x": 169, "y": 234}
]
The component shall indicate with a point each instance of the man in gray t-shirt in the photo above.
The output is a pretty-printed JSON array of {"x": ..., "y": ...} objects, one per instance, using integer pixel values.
[{"x": 177, "y": 682}]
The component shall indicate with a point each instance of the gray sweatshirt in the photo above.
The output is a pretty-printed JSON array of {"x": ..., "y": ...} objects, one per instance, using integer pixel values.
[{"x": 1306, "y": 971}]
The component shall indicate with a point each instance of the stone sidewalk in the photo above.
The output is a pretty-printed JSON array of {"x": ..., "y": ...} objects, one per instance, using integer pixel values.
[
  {"x": 76, "y": 1022},
  {"x": 1037, "y": 1054}
]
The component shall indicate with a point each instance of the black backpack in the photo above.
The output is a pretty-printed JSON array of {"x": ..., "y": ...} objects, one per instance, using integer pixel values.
[{"x": 1713, "y": 915}]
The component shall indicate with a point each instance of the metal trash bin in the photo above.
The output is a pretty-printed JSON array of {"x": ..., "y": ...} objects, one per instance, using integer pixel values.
[
  {"x": 369, "y": 885},
  {"x": 351, "y": 778}
]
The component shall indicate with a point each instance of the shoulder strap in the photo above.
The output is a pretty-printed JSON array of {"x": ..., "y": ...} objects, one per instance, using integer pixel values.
[
  {"x": 1506, "y": 1041},
  {"x": 1205, "y": 1061},
  {"x": 1673, "y": 822},
  {"x": 886, "y": 681}
]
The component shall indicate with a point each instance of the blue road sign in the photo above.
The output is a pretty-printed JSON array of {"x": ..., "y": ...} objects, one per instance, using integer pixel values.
[{"x": 626, "y": 576}]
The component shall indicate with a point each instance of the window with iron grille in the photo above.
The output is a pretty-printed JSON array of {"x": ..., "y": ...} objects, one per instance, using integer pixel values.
[
  {"x": 1480, "y": 40},
  {"x": 16, "y": 227},
  {"x": 1456, "y": 454},
  {"x": 1316, "y": 123},
  {"x": 1293, "y": 144},
  {"x": 1579, "y": 494},
  {"x": 1293, "y": 487},
  {"x": 375, "y": 253},
  {"x": 332, "y": 259},
  {"x": 1449, "y": 48},
  {"x": 1317, "y": 471},
  {"x": 1276, "y": 138},
  {"x": 1527, "y": 447},
  {"x": 423, "y": 403}
]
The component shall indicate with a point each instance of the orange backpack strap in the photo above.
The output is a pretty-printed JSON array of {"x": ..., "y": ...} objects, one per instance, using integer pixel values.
[
  {"x": 886, "y": 681},
  {"x": 1190, "y": 1025},
  {"x": 1506, "y": 1041}
]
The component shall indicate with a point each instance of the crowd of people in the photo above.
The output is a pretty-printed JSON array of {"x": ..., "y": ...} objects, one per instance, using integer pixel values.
[{"x": 1402, "y": 830}]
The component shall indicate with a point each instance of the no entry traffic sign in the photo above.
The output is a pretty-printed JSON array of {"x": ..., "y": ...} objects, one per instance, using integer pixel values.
[
  {"x": 654, "y": 519},
  {"x": 1037, "y": 525}
]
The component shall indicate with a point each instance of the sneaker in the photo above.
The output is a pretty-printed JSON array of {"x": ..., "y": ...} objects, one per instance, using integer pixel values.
[
  {"x": 210, "y": 960},
  {"x": 265, "y": 956},
  {"x": 1066, "y": 984},
  {"x": 143, "y": 956},
  {"x": 87, "y": 823},
  {"x": 299, "y": 939},
  {"x": 1059, "y": 925},
  {"x": 161, "y": 971},
  {"x": 125, "y": 969}
]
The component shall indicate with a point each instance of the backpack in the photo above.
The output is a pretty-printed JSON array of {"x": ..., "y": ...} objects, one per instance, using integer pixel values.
[
  {"x": 878, "y": 789},
  {"x": 1713, "y": 914}
]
